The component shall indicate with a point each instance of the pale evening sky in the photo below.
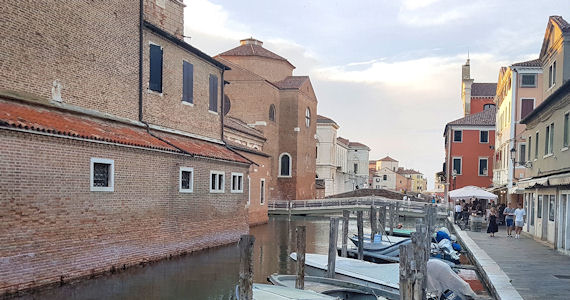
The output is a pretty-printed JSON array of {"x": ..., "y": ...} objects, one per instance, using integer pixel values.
[{"x": 388, "y": 71}]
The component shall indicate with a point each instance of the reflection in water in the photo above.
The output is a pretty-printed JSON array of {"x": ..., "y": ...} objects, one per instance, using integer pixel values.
[{"x": 208, "y": 274}]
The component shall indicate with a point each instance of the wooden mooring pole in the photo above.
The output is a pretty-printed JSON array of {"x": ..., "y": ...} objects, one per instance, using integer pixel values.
[
  {"x": 333, "y": 240},
  {"x": 392, "y": 212},
  {"x": 345, "y": 219},
  {"x": 373, "y": 222},
  {"x": 301, "y": 248},
  {"x": 360, "y": 225},
  {"x": 382, "y": 218},
  {"x": 245, "y": 284},
  {"x": 413, "y": 265}
]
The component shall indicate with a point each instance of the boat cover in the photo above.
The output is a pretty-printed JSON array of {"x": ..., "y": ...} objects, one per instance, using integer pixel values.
[{"x": 441, "y": 278}]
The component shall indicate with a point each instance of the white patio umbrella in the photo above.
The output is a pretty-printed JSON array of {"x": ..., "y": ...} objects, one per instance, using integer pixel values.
[{"x": 468, "y": 192}]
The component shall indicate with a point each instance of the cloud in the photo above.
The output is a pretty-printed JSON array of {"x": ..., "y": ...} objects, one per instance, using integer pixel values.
[{"x": 202, "y": 16}]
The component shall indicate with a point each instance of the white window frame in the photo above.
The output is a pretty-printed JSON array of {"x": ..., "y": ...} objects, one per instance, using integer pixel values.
[
  {"x": 533, "y": 105},
  {"x": 480, "y": 131},
  {"x": 111, "y": 187},
  {"x": 526, "y": 85},
  {"x": 248, "y": 191},
  {"x": 290, "y": 165},
  {"x": 217, "y": 182},
  {"x": 453, "y": 136},
  {"x": 262, "y": 192},
  {"x": 460, "y": 164},
  {"x": 186, "y": 169},
  {"x": 552, "y": 75},
  {"x": 240, "y": 177},
  {"x": 521, "y": 144},
  {"x": 308, "y": 117},
  {"x": 479, "y": 166}
]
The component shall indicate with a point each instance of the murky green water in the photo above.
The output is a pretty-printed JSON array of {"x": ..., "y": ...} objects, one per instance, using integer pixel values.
[{"x": 208, "y": 274}]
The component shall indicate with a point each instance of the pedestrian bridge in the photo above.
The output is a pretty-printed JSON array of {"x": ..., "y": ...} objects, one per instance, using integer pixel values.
[{"x": 337, "y": 205}]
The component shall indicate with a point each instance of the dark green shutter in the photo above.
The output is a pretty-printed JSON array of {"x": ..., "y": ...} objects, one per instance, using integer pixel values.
[
  {"x": 155, "y": 75},
  {"x": 213, "y": 93},
  {"x": 188, "y": 82}
]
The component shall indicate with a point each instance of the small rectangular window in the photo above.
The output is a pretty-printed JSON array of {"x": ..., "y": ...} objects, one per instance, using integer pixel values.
[
  {"x": 237, "y": 182},
  {"x": 522, "y": 154},
  {"x": 529, "y": 147},
  {"x": 457, "y": 135},
  {"x": 483, "y": 136},
  {"x": 217, "y": 181},
  {"x": 213, "y": 93},
  {"x": 551, "y": 208},
  {"x": 102, "y": 175},
  {"x": 457, "y": 166},
  {"x": 528, "y": 80},
  {"x": 527, "y": 105},
  {"x": 550, "y": 76},
  {"x": 262, "y": 191},
  {"x": 155, "y": 74},
  {"x": 483, "y": 165},
  {"x": 566, "y": 130},
  {"x": 536, "y": 140},
  {"x": 187, "y": 82},
  {"x": 186, "y": 180},
  {"x": 355, "y": 168}
]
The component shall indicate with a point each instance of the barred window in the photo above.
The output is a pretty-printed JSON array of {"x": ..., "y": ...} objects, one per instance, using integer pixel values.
[{"x": 102, "y": 175}]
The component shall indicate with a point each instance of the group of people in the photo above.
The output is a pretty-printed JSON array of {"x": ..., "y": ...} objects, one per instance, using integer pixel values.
[{"x": 514, "y": 218}]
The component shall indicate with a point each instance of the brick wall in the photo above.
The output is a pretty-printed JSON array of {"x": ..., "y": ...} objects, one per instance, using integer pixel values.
[
  {"x": 53, "y": 227},
  {"x": 88, "y": 47},
  {"x": 166, "y": 109},
  {"x": 257, "y": 212},
  {"x": 271, "y": 69},
  {"x": 166, "y": 14}
]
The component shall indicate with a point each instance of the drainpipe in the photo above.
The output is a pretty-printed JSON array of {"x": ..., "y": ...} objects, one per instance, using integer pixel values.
[
  {"x": 222, "y": 106},
  {"x": 512, "y": 133},
  {"x": 141, "y": 17}
]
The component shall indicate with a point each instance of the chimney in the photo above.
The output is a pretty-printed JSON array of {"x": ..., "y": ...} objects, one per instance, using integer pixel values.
[{"x": 251, "y": 41}]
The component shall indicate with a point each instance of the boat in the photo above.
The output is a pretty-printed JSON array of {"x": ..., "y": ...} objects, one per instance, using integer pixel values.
[
  {"x": 333, "y": 287},
  {"x": 273, "y": 292},
  {"x": 382, "y": 278},
  {"x": 386, "y": 244},
  {"x": 400, "y": 232}
]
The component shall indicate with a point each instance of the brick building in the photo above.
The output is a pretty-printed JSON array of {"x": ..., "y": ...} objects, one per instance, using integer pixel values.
[
  {"x": 111, "y": 141},
  {"x": 286, "y": 110}
]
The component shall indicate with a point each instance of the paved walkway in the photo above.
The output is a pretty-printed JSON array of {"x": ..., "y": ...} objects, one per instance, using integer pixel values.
[{"x": 531, "y": 266}]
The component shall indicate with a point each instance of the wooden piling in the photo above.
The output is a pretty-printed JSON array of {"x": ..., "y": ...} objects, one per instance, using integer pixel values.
[
  {"x": 413, "y": 265},
  {"x": 392, "y": 212},
  {"x": 382, "y": 218},
  {"x": 373, "y": 222},
  {"x": 333, "y": 240},
  {"x": 301, "y": 248},
  {"x": 245, "y": 284},
  {"x": 359, "y": 224},
  {"x": 345, "y": 219}
]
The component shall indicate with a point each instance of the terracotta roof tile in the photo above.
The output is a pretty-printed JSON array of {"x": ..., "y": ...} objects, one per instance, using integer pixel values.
[
  {"x": 357, "y": 144},
  {"x": 564, "y": 26},
  {"x": 242, "y": 126},
  {"x": 291, "y": 82},
  {"x": 342, "y": 140},
  {"x": 251, "y": 50},
  {"x": 62, "y": 123},
  {"x": 479, "y": 89},
  {"x": 388, "y": 158},
  {"x": 484, "y": 118},
  {"x": 529, "y": 63}
]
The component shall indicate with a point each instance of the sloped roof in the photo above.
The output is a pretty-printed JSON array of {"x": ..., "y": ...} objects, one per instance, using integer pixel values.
[
  {"x": 342, "y": 140},
  {"x": 560, "y": 23},
  {"x": 407, "y": 171},
  {"x": 357, "y": 144},
  {"x": 528, "y": 63},
  {"x": 388, "y": 158},
  {"x": 325, "y": 120},
  {"x": 252, "y": 50},
  {"x": 242, "y": 126},
  {"x": 564, "y": 26},
  {"x": 486, "y": 89},
  {"x": 57, "y": 122},
  {"x": 484, "y": 118},
  {"x": 291, "y": 82}
]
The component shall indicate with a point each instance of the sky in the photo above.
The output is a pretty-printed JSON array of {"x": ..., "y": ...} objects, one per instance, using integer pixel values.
[{"x": 387, "y": 71}]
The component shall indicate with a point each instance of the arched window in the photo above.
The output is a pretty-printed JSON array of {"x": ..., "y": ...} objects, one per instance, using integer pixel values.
[
  {"x": 308, "y": 117},
  {"x": 272, "y": 112},
  {"x": 284, "y": 165}
]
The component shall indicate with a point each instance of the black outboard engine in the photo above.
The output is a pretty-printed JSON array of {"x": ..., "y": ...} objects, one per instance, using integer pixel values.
[{"x": 449, "y": 295}]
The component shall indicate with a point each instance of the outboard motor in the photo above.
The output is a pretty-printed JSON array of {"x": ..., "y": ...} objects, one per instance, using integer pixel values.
[{"x": 449, "y": 295}]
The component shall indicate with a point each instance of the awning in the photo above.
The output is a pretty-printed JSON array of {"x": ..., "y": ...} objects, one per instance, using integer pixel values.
[
  {"x": 469, "y": 192},
  {"x": 528, "y": 183},
  {"x": 516, "y": 190},
  {"x": 562, "y": 179}
]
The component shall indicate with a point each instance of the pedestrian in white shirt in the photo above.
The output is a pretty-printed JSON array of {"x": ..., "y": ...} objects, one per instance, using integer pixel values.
[
  {"x": 458, "y": 209},
  {"x": 520, "y": 215}
]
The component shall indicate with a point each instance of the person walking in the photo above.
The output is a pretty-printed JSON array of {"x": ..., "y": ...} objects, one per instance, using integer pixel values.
[
  {"x": 509, "y": 213},
  {"x": 520, "y": 215},
  {"x": 492, "y": 228},
  {"x": 458, "y": 209}
]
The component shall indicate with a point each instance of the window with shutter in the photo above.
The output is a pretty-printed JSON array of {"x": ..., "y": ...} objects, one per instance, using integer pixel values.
[
  {"x": 527, "y": 107},
  {"x": 528, "y": 80},
  {"x": 155, "y": 74},
  {"x": 187, "y": 82},
  {"x": 213, "y": 93}
]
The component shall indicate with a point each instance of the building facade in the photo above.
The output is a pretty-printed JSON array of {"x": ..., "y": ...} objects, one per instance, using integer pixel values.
[
  {"x": 286, "y": 110},
  {"x": 547, "y": 187},
  {"x": 111, "y": 146},
  {"x": 341, "y": 164},
  {"x": 519, "y": 90}
]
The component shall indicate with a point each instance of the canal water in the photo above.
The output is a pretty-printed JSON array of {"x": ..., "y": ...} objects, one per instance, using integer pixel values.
[{"x": 211, "y": 273}]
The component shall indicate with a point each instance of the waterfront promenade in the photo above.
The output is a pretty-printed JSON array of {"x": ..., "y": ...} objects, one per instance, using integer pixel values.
[{"x": 535, "y": 270}]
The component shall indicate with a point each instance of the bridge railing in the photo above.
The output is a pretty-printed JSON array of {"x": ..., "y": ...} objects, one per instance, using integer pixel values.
[{"x": 347, "y": 202}]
